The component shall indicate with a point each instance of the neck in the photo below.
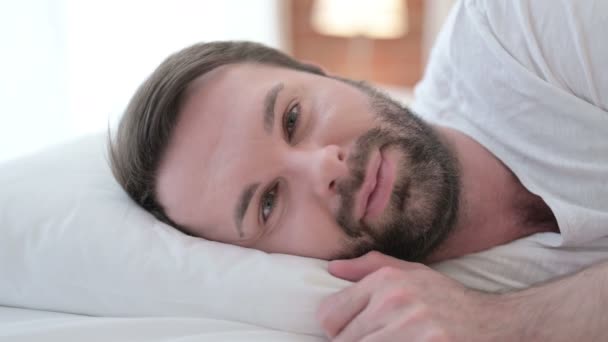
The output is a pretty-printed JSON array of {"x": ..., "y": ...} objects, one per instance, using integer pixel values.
[{"x": 495, "y": 208}]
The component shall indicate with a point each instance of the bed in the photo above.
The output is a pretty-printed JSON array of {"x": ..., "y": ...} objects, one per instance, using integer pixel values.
[
  {"x": 35, "y": 325},
  {"x": 80, "y": 261}
]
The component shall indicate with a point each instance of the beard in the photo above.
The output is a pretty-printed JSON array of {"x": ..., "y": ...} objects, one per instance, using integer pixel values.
[{"x": 423, "y": 205}]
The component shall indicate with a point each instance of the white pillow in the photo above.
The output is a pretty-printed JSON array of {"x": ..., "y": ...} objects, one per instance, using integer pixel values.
[{"x": 72, "y": 241}]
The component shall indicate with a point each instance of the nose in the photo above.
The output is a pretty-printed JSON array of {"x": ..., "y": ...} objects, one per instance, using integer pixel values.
[{"x": 327, "y": 167}]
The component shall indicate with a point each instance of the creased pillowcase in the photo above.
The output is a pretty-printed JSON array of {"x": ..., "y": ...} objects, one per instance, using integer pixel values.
[{"x": 72, "y": 241}]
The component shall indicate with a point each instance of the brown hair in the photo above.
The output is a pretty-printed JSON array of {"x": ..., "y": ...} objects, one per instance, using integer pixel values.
[{"x": 145, "y": 128}]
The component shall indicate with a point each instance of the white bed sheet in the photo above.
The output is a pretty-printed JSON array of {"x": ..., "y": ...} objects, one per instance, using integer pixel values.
[{"x": 18, "y": 325}]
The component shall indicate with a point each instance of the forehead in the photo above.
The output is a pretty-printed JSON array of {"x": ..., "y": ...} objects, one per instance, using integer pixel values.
[{"x": 220, "y": 122}]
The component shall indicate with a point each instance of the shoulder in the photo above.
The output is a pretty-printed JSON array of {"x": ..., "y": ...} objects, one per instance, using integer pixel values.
[{"x": 558, "y": 42}]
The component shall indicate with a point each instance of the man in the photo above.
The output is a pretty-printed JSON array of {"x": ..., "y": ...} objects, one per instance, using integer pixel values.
[{"x": 238, "y": 143}]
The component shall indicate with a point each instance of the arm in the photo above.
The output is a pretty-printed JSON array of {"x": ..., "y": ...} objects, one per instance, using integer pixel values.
[
  {"x": 573, "y": 308},
  {"x": 396, "y": 300}
]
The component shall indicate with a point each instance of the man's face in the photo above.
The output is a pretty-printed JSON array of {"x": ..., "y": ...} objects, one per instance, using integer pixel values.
[{"x": 291, "y": 162}]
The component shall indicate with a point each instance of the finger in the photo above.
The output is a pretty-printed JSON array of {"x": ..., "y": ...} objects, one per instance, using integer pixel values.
[
  {"x": 337, "y": 310},
  {"x": 405, "y": 332},
  {"x": 364, "y": 324},
  {"x": 384, "y": 309},
  {"x": 356, "y": 269}
]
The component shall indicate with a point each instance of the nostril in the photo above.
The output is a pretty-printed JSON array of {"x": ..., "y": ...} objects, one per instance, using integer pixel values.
[
  {"x": 340, "y": 156},
  {"x": 332, "y": 185}
]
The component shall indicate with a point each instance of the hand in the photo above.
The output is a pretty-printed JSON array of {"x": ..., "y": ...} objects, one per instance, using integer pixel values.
[{"x": 394, "y": 300}]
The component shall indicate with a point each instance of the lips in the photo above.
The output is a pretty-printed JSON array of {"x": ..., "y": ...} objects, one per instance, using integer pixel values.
[{"x": 375, "y": 192}]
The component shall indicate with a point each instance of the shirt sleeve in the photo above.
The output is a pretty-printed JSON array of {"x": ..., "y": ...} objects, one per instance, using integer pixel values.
[
  {"x": 563, "y": 42},
  {"x": 525, "y": 78}
]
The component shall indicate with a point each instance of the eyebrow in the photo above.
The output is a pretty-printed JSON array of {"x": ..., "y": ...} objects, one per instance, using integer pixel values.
[
  {"x": 241, "y": 206},
  {"x": 269, "y": 104},
  {"x": 242, "y": 203}
]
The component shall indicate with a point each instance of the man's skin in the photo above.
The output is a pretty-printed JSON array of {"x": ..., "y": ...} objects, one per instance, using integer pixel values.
[
  {"x": 222, "y": 144},
  {"x": 394, "y": 300}
]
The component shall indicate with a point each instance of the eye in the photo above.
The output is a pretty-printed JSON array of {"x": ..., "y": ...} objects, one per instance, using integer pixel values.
[
  {"x": 268, "y": 202},
  {"x": 290, "y": 121}
]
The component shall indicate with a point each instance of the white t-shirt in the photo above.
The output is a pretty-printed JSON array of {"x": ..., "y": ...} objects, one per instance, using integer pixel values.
[{"x": 529, "y": 81}]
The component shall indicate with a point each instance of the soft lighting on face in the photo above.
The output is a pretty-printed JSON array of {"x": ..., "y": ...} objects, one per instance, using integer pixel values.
[{"x": 383, "y": 19}]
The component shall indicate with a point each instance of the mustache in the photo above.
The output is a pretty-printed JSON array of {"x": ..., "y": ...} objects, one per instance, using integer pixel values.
[
  {"x": 348, "y": 188},
  {"x": 423, "y": 205}
]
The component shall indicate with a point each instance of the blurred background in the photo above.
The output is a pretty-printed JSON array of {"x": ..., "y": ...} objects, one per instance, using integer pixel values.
[{"x": 69, "y": 67}]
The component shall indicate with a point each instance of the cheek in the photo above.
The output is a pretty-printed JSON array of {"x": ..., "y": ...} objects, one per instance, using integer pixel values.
[
  {"x": 342, "y": 127},
  {"x": 342, "y": 115},
  {"x": 306, "y": 232}
]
